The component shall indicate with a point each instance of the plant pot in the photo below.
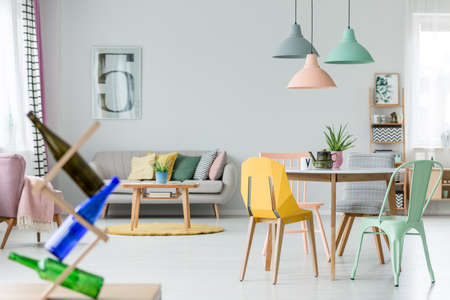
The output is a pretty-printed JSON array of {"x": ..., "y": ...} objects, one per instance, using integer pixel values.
[
  {"x": 161, "y": 177},
  {"x": 338, "y": 159}
]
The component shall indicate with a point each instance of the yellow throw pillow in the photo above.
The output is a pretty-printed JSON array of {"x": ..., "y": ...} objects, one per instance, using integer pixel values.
[
  {"x": 164, "y": 158},
  {"x": 142, "y": 167}
]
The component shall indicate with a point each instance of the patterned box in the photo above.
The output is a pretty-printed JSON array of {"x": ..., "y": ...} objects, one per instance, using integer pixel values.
[
  {"x": 385, "y": 134},
  {"x": 399, "y": 201}
]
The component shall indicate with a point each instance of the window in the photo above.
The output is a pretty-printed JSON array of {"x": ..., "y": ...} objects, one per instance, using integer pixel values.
[
  {"x": 15, "y": 129},
  {"x": 430, "y": 80}
]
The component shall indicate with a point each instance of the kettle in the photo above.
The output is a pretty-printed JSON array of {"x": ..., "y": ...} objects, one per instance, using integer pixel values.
[{"x": 324, "y": 159}]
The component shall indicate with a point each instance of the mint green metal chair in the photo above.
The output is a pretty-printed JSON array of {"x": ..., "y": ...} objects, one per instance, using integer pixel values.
[{"x": 396, "y": 227}]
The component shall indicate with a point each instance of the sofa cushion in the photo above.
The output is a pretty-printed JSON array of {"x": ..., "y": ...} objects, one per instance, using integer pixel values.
[
  {"x": 202, "y": 171},
  {"x": 166, "y": 158},
  {"x": 216, "y": 170},
  {"x": 184, "y": 167},
  {"x": 118, "y": 163},
  {"x": 142, "y": 167},
  {"x": 205, "y": 187}
]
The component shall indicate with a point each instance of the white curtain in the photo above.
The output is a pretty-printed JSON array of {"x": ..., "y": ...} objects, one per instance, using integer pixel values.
[
  {"x": 427, "y": 73},
  {"x": 15, "y": 129}
]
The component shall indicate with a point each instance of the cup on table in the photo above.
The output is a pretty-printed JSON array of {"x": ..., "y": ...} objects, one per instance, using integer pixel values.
[
  {"x": 445, "y": 194},
  {"x": 305, "y": 163}
]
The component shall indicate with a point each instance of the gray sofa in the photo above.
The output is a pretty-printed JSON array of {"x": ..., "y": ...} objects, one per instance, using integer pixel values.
[{"x": 118, "y": 163}]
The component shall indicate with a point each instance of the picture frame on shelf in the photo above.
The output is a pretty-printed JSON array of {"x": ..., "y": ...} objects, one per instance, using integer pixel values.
[
  {"x": 387, "y": 89},
  {"x": 116, "y": 83}
]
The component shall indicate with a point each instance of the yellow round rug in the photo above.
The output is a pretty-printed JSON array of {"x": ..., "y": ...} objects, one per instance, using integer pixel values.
[{"x": 163, "y": 229}]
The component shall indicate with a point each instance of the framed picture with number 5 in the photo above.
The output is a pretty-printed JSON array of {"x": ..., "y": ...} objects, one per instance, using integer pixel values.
[{"x": 116, "y": 83}]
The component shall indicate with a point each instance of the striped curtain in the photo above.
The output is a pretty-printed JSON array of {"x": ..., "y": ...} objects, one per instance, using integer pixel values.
[{"x": 33, "y": 62}]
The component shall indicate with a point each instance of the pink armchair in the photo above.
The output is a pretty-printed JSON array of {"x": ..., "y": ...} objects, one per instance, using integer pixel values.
[{"x": 12, "y": 170}]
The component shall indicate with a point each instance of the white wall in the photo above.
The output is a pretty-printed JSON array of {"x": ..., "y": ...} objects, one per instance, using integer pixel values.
[{"x": 208, "y": 77}]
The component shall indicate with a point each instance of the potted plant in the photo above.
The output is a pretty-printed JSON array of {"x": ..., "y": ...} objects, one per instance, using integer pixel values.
[
  {"x": 162, "y": 172},
  {"x": 338, "y": 141}
]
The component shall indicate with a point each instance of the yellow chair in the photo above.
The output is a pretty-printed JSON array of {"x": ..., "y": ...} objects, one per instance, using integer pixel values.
[{"x": 268, "y": 198}]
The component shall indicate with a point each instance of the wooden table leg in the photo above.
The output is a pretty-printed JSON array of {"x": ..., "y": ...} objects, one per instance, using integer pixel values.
[
  {"x": 133, "y": 208},
  {"x": 138, "y": 206},
  {"x": 392, "y": 205},
  {"x": 186, "y": 208},
  {"x": 333, "y": 225}
]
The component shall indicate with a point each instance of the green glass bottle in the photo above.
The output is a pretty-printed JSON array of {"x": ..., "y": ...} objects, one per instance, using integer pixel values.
[
  {"x": 50, "y": 269},
  {"x": 76, "y": 167}
]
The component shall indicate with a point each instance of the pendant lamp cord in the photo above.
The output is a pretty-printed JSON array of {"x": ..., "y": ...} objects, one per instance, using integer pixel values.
[
  {"x": 348, "y": 15},
  {"x": 312, "y": 22},
  {"x": 295, "y": 14}
]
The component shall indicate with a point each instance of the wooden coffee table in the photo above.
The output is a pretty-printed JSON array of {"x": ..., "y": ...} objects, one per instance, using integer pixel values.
[{"x": 139, "y": 188}]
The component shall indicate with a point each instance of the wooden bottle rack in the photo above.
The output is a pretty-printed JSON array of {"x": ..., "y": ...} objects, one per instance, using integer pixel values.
[{"x": 41, "y": 187}]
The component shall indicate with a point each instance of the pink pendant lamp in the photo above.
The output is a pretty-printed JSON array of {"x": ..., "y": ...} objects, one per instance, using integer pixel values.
[{"x": 311, "y": 76}]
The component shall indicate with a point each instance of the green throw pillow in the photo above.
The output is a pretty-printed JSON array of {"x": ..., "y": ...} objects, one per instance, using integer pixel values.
[{"x": 184, "y": 167}]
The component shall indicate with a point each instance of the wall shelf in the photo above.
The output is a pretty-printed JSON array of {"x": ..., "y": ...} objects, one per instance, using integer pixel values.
[
  {"x": 386, "y": 105},
  {"x": 387, "y": 124},
  {"x": 393, "y": 142},
  {"x": 441, "y": 186},
  {"x": 397, "y": 134}
]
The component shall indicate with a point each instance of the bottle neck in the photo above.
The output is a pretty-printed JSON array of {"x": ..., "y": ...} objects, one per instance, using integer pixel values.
[
  {"x": 26, "y": 261},
  {"x": 48, "y": 135},
  {"x": 92, "y": 208},
  {"x": 35, "y": 120}
]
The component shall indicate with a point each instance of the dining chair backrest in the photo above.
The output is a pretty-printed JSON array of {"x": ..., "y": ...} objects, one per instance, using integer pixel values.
[
  {"x": 365, "y": 197},
  {"x": 418, "y": 202},
  {"x": 265, "y": 189},
  {"x": 291, "y": 161}
]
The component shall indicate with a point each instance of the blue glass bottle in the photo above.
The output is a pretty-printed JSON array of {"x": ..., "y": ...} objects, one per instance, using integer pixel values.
[{"x": 70, "y": 232}]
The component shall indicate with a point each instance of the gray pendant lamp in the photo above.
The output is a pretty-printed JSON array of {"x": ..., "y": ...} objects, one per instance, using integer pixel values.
[
  {"x": 295, "y": 46},
  {"x": 349, "y": 51}
]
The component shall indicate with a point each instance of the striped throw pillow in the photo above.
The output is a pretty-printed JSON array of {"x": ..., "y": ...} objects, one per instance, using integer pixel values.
[{"x": 202, "y": 171}]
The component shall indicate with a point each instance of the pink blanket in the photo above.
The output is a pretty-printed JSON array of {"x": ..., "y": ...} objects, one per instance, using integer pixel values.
[{"x": 35, "y": 212}]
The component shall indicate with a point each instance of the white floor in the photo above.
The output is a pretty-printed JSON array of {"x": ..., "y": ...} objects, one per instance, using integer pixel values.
[{"x": 207, "y": 266}]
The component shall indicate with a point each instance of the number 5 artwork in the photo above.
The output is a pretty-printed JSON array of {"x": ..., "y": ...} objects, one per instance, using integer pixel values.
[{"x": 116, "y": 83}]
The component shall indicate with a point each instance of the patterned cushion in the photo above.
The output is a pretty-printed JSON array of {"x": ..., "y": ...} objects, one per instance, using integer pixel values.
[
  {"x": 365, "y": 197},
  {"x": 216, "y": 170},
  {"x": 202, "y": 171}
]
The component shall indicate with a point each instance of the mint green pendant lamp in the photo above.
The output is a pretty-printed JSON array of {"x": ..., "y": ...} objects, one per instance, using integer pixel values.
[
  {"x": 349, "y": 51},
  {"x": 295, "y": 46}
]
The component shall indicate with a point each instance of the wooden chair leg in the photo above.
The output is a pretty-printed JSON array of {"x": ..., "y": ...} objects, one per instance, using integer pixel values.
[
  {"x": 251, "y": 231},
  {"x": 386, "y": 239},
  {"x": 305, "y": 237},
  {"x": 322, "y": 233},
  {"x": 264, "y": 251},
  {"x": 378, "y": 245},
  {"x": 347, "y": 230},
  {"x": 8, "y": 231},
  {"x": 216, "y": 211},
  {"x": 280, "y": 233},
  {"x": 105, "y": 210},
  {"x": 312, "y": 239},
  {"x": 38, "y": 237},
  {"x": 268, "y": 248},
  {"x": 57, "y": 218},
  {"x": 341, "y": 228}
]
